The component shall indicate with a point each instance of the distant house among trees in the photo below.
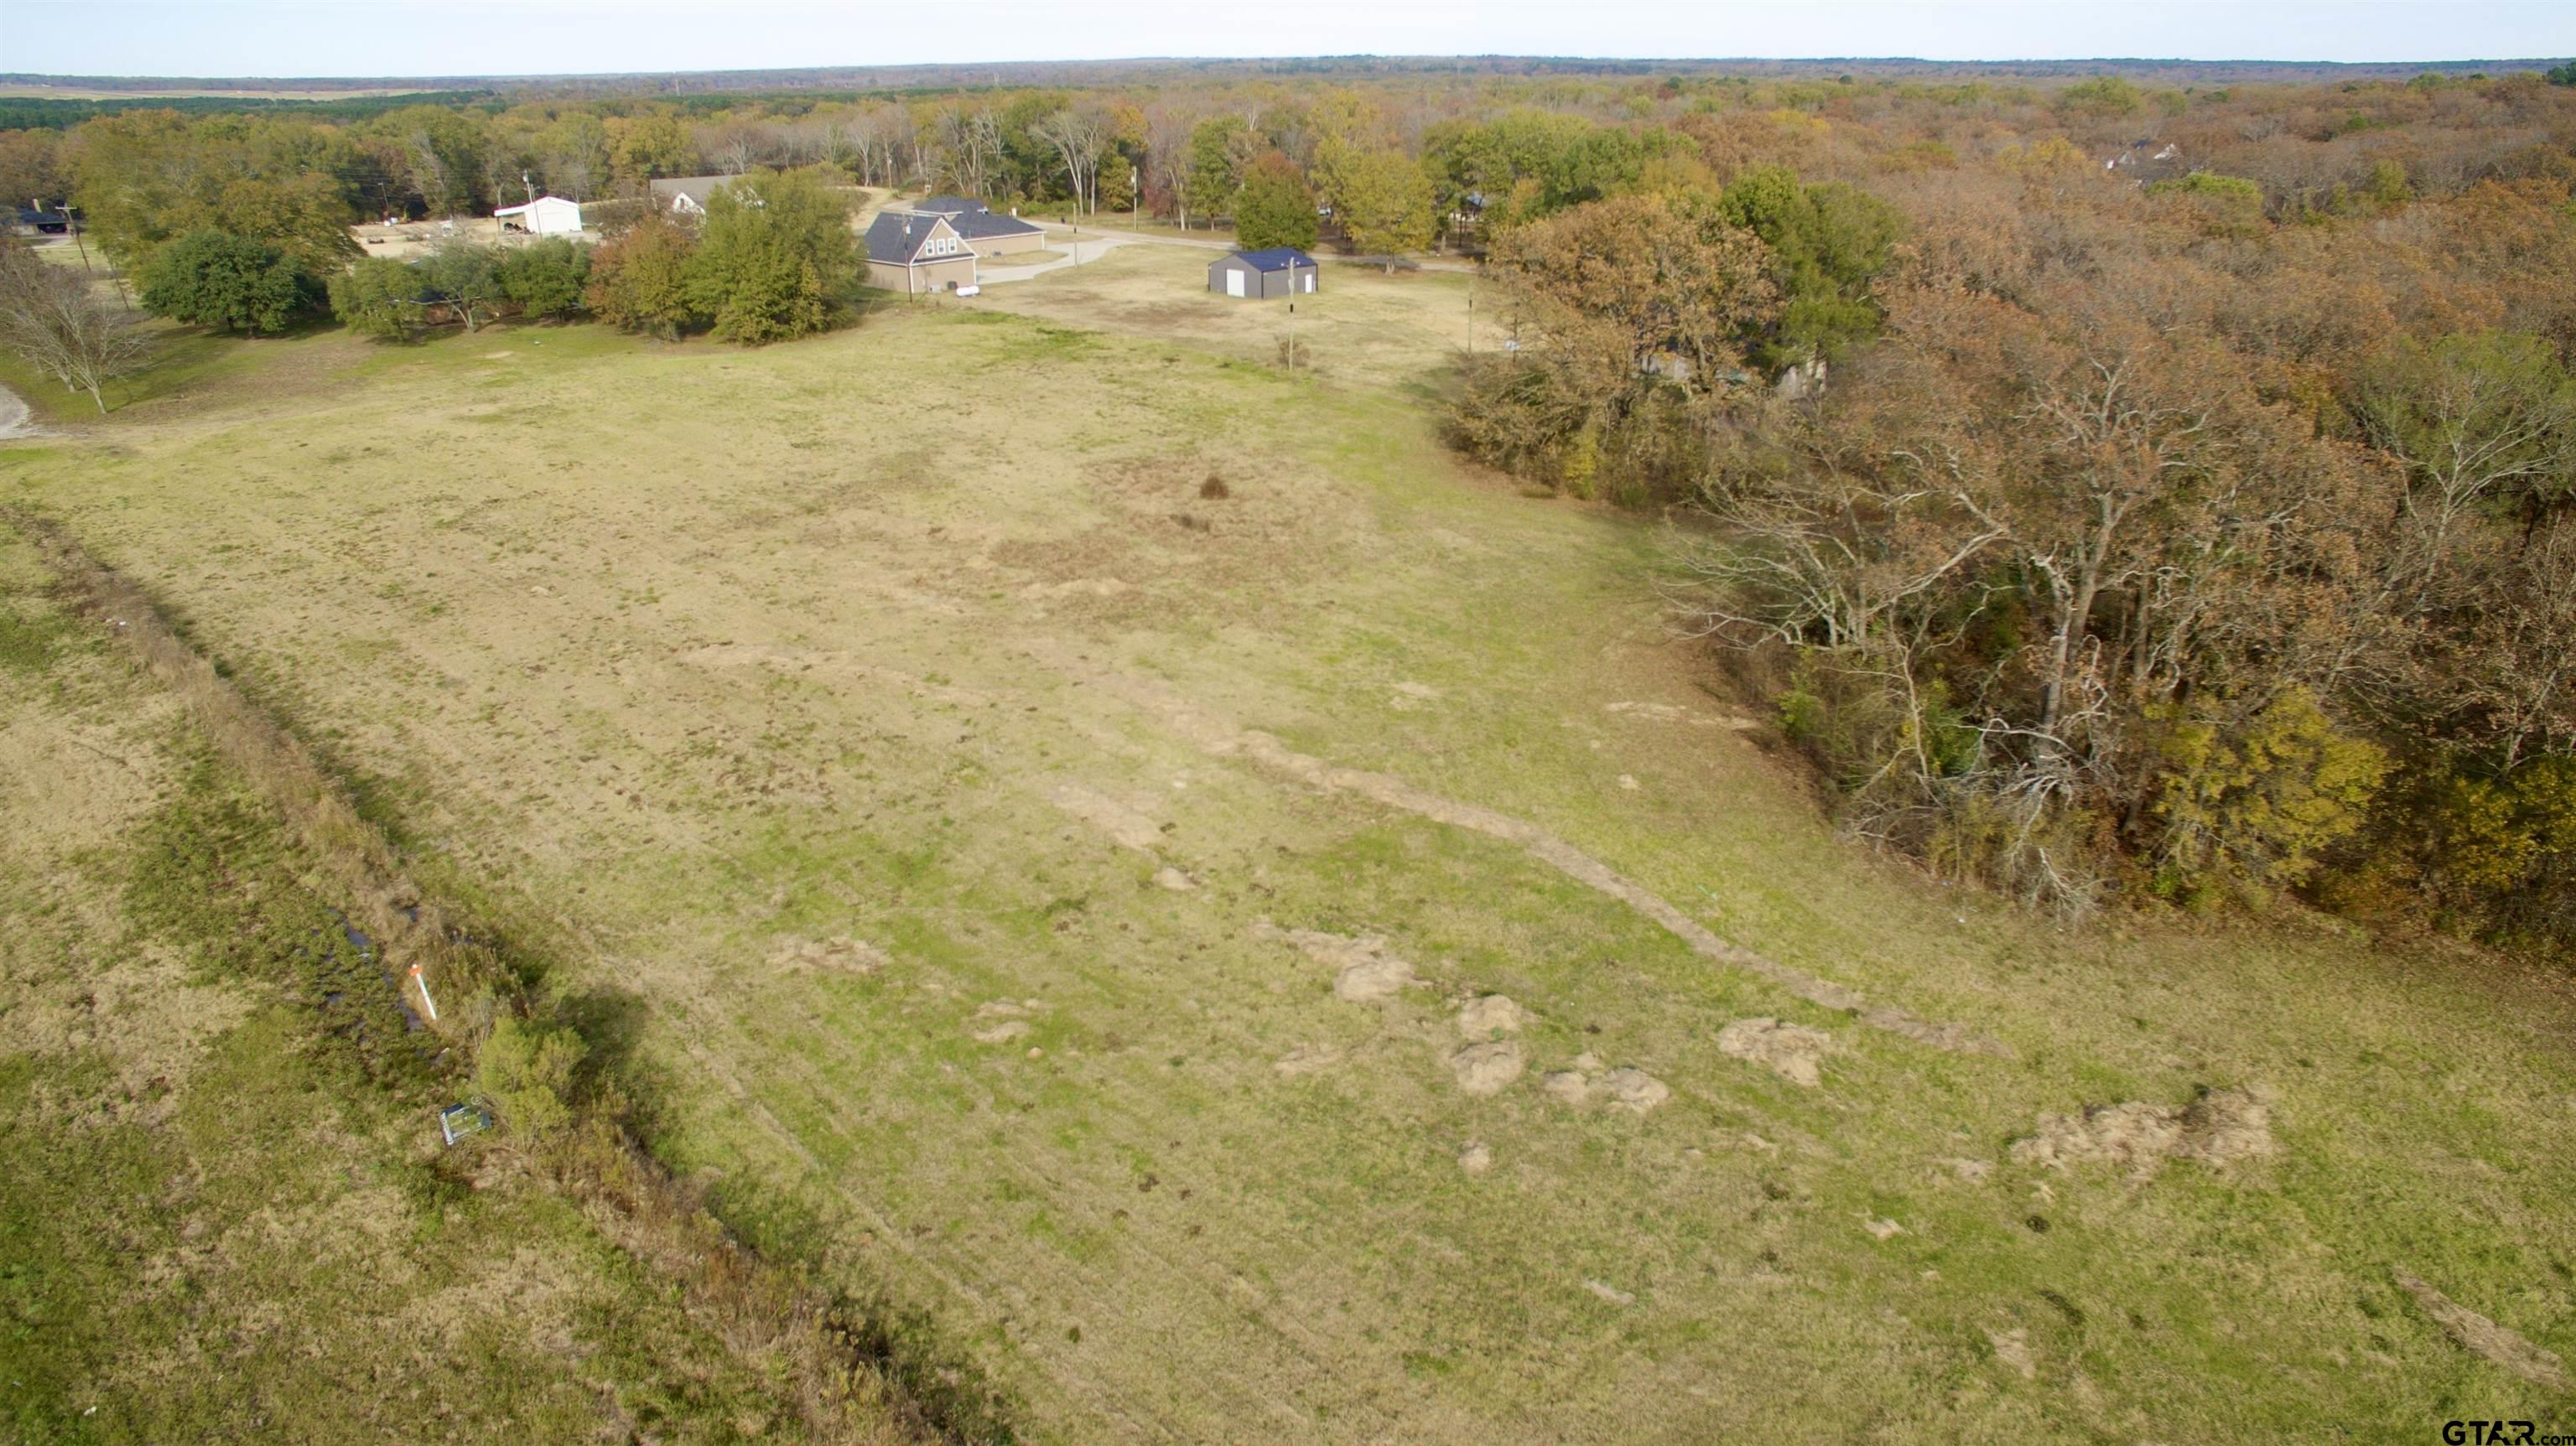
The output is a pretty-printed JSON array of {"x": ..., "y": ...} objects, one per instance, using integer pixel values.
[
  {"x": 976, "y": 224},
  {"x": 1279, "y": 271},
  {"x": 687, "y": 195},
  {"x": 36, "y": 221},
  {"x": 544, "y": 216},
  {"x": 915, "y": 253}
]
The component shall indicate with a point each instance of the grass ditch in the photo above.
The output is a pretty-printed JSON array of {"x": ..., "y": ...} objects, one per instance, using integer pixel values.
[{"x": 855, "y": 1369}]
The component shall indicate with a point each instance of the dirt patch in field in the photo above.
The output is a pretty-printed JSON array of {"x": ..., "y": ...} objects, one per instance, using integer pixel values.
[
  {"x": 1363, "y": 969},
  {"x": 2012, "y": 1350},
  {"x": 1000, "y": 1021},
  {"x": 1793, "y": 1051},
  {"x": 1307, "y": 1059},
  {"x": 1129, "y": 825},
  {"x": 1626, "y": 1088},
  {"x": 2481, "y": 1336},
  {"x": 839, "y": 954},
  {"x": 1634, "y": 1090},
  {"x": 1494, "y": 1014},
  {"x": 2219, "y": 1128},
  {"x": 1484, "y": 1069}
]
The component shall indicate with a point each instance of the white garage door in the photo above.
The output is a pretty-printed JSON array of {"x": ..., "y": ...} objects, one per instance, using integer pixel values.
[
  {"x": 1309, "y": 279},
  {"x": 1234, "y": 283}
]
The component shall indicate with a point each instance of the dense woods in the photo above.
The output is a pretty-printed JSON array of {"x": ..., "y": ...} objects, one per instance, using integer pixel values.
[
  {"x": 2122, "y": 491},
  {"x": 2187, "y": 516}
]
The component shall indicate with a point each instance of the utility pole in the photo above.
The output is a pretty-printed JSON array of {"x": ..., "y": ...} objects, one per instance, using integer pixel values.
[
  {"x": 532, "y": 190},
  {"x": 1471, "y": 313},
  {"x": 1292, "y": 319}
]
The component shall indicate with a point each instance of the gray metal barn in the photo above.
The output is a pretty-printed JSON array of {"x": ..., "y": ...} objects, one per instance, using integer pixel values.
[{"x": 1279, "y": 271}]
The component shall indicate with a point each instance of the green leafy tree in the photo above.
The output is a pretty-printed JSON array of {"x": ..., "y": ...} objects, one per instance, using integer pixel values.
[
  {"x": 377, "y": 297},
  {"x": 640, "y": 281},
  {"x": 235, "y": 283},
  {"x": 1386, "y": 204},
  {"x": 2102, "y": 97},
  {"x": 1219, "y": 150},
  {"x": 1275, "y": 208},
  {"x": 443, "y": 152},
  {"x": 655, "y": 143},
  {"x": 546, "y": 279},
  {"x": 774, "y": 250},
  {"x": 146, "y": 178},
  {"x": 2562, "y": 74},
  {"x": 467, "y": 278},
  {"x": 1828, "y": 245}
]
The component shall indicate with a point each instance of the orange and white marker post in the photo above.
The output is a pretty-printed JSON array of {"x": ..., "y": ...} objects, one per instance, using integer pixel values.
[{"x": 423, "y": 981}]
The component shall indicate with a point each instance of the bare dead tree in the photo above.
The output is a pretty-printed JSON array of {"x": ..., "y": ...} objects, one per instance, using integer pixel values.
[
  {"x": 1079, "y": 136},
  {"x": 969, "y": 140},
  {"x": 53, "y": 320}
]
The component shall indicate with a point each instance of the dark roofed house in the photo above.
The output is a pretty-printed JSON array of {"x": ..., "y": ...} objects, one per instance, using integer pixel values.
[
  {"x": 1279, "y": 271},
  {"x": 914, "y": 254},
  {"x": 988, "y": 233}
]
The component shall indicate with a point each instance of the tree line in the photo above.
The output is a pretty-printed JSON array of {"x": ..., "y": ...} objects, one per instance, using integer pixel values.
[{"x": 2167, "y": 499}]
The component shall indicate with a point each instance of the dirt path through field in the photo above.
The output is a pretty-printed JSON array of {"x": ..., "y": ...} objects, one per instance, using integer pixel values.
[{"x": 1220, "y": 737}]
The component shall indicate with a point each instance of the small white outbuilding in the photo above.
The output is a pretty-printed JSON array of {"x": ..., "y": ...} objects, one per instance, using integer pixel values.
[{"x": 544, "y": 216}]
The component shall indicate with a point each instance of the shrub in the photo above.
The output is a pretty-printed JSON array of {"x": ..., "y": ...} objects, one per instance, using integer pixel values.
[
  {"x": 526, "y": 1072},
  {"x": 211, "y": 278},
  {"x": 2226, "y": 203},
  {"x": 377, "y": 297},
  {"x": 546, "y": 279},
  {"x": 2103, "y": 96},
  {"x": 640, "y": 281},
  {"x": 2247, "y": 806}
]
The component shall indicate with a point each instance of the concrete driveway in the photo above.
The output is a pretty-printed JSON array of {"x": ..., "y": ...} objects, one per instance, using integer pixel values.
[{"x": 1090, "y": 248}]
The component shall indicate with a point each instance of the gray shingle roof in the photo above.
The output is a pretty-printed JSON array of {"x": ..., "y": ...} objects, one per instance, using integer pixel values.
[
  {"x": 670, "y": 189},
  {"x": 896, "y": 237},
  {"x": 985, "y": 223}
]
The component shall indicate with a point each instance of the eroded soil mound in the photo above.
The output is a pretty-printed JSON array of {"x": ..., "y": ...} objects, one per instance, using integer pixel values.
[
  {"x": 1795, "y": 1051},
  {"x": 2219, "y": 1128}
]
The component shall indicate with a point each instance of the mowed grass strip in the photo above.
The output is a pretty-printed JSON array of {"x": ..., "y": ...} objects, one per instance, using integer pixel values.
[{"x": 772, "y": 689}]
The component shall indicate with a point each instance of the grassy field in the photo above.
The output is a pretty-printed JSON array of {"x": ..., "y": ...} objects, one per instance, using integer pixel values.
[
  {"x": 1005, "y": 763},
  {"x": 225, "y": 1212},
  {"x": 1363, "y": 329}
]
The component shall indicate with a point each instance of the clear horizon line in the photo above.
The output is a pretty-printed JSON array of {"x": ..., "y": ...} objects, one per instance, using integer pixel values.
[{"x": 28, "y": 77}]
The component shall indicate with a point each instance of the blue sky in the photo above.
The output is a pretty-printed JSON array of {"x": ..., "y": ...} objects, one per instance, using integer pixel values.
[{"x": 480, "y": 37}]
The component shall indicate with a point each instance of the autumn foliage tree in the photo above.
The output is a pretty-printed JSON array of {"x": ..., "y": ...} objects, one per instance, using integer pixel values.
[{"x": 640, "y": 281}]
